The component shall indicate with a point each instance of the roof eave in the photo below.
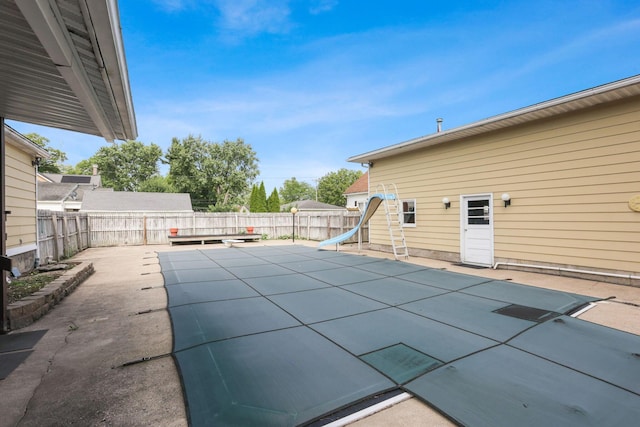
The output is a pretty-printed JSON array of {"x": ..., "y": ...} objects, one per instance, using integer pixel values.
[
  {"x": 106, "y": 36},
  {"x": 25, "y": 144},
  {"x": 573, "y": 102}
]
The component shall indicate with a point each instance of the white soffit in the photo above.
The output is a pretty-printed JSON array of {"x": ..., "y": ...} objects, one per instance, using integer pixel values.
[{"x": 62, "y": 65}]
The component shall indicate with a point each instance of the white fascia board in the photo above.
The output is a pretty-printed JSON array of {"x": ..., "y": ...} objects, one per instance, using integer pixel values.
[
  {"x": 46, "y": 22},
  {"x": 572, "y": 102},
  {"x": 23, "y": 143},
  {"x": 106, "y": 35}
]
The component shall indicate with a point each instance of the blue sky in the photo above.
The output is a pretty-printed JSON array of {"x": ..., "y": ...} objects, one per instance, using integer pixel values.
[{"x": 308, "y": 83}]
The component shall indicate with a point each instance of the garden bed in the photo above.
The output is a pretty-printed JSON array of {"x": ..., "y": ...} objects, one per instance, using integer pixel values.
[
  {"x": 24, "y": 286},
  {"x": 43, "y": 291}
]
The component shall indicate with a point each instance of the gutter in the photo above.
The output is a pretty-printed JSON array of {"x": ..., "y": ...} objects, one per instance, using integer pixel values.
[
  {"x": 568, "y": 270},
  {"x": 614, "y": 91}
]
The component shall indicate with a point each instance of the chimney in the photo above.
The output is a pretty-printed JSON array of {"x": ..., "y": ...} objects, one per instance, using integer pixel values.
[
  {"x": 439, "y": 124},
  {"x": 95, "y": 170}
]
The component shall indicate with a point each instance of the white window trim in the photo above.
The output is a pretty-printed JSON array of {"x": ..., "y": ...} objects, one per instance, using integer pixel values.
[{"x": 407, "y": 225}]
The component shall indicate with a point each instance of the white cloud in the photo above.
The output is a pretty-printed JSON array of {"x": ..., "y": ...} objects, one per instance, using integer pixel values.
[
  {"x": 250, "y": 17},
  {"x": 320, "y": 6},
  {"x": 173, "y": 5}
]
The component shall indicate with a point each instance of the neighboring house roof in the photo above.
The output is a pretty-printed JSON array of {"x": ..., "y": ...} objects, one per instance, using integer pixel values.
[
  {"x": 617, "y": 90},
  {"x": 311, "y": 205},
  {"x": 23, "y": 143},
  {"x": 94, "y": 180},
  {"x": 64, "y": 66},
  {"x": 126, "y": 201},
  {"x": 361, "y": 185},
  {"x": 55, "y": 191}
]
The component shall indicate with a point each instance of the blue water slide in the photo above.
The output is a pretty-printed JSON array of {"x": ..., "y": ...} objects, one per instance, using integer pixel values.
[{"x": 370, "y": 208}]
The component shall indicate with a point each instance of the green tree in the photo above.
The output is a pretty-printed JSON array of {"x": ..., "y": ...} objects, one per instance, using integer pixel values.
[
  {"x": 331, "y": 187},
  {"x": 273, "y": 202},
  {"x": 156, "y": 184},
  {"x": 125, "y": 166},
  {"x": 83, "y": 167},
  {"x": 294, "y": 190},
  {"x": 253, "y": 199},
  {"x": 215, "y": 174},
  {"x": 262, "y": 198},
  {"x": 258, "y": 201},
  {"x": 54, "y": 163}
]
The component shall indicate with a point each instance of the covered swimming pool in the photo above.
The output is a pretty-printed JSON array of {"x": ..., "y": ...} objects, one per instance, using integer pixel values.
[{"x": 288, "y": 335}]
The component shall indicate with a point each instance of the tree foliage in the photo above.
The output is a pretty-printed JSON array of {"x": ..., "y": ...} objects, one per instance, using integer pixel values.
[
  {"x": 262, "y": 198},
  {"x": 156, "y": 184},
  {"x": 125, "y": 166},
  {"x": 293, "y": 190},
  {"x": 54, "y": 163},
  {"x": 253, "y": 198},
  {"x": 331, "y": 187},
  {"x": 258, "y": 201},
  {"x": 83, "y": 167},
  {"x": 215, "y": 174},
  {"x": 273, "y": 202}
]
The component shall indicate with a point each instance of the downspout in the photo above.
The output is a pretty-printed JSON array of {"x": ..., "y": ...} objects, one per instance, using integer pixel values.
[
  {"x": 367, "y": 165},
  {"x": 568, "y": 270},
  {"x": 36, "y": 262}
]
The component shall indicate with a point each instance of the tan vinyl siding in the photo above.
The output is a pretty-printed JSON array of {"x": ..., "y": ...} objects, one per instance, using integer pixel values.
[
  {"x": 570, "y": 179},
  {"x": 20, "y": 190}
]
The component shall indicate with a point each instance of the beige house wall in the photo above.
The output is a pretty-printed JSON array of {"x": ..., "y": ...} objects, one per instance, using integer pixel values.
[
  {"x": 20, "y": 187},
  {"x": 570, "y": 179}
]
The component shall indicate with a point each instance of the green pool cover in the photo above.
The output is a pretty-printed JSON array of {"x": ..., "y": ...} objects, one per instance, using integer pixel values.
[{"x": 289, "y": 335}]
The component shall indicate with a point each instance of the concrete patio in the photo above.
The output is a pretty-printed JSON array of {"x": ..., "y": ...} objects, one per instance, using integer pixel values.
[{"x": 117, "y": 316}]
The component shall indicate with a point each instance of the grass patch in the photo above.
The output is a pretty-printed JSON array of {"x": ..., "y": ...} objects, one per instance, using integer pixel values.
[{"x": 33, "y": 282}]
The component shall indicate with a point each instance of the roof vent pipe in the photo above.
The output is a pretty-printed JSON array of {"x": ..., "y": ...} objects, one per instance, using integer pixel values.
[{"x": 439, "y": 124}]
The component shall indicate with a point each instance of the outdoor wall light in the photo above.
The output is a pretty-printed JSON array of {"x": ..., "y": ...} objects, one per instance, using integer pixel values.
[
  {"x": 446, "y": 202},
  {"x": 506, "y": 198}
]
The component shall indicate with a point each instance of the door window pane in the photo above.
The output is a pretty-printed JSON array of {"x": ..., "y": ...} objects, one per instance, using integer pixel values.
[{"x": 478, "y": 212}]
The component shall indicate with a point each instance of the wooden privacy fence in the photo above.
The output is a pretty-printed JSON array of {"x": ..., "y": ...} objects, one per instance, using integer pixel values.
[{"x": 62, "y": 234}]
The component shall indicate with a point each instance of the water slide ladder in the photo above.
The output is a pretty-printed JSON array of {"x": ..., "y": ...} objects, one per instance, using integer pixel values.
[{"x": 393, "y": 210}]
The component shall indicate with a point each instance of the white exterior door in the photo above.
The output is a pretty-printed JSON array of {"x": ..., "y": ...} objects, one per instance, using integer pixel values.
[{"x": 476, "y": 229}]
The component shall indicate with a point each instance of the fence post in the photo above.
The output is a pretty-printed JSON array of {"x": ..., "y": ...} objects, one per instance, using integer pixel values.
[
  {"x": 328, "y": 226},
  {"x": 78, "y": 235},
  {"x": 88, "y": 231},
  {"x": 56, "y": 249},
  {"x": 65, "y": 237},
  {"x": 144, "y": 230}
]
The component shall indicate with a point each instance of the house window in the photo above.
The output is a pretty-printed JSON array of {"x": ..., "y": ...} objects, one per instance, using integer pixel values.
[{"x": 408, "y": 213}]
